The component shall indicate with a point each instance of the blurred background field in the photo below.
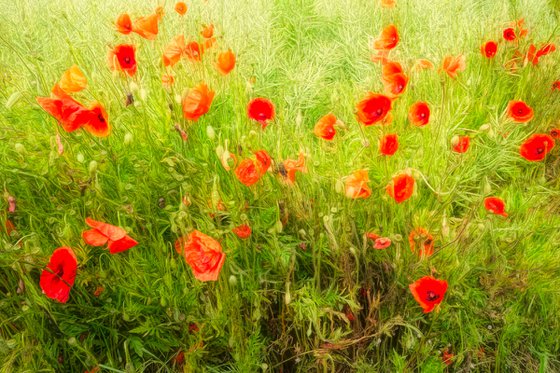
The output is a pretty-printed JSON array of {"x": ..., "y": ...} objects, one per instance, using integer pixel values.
[{"x": 307, "y": 291}]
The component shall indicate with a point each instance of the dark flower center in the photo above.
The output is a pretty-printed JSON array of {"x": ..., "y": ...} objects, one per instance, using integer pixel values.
[
  {"x": 431, "y": 296},
  {"x": 540, "y": 150},
  {"x": 428, "y": 241},
  {"x": 126, "y": 60},
  {"x": 100, "y": 118}
]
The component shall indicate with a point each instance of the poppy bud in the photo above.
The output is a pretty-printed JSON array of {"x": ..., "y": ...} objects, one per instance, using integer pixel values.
[
  {"x": 352, "y": 250},
  {"x": 287, "y": 296},
  {"x": 484, "y": 127},
  {"x": 71, "y": 341},
  {"x": 232, "y": 280},
  {"x": 178, "y": 98},
  {"x": 20, "y": 148},
  {"x": 92, "y": 167},
  {"x": 80, "y": 158},
  {"x": 210, "y": 132},
  {"x": 397, "y": 238}
]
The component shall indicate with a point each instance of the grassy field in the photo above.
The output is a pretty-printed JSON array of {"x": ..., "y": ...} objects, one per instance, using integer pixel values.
[{"x": 306, "y": 291}]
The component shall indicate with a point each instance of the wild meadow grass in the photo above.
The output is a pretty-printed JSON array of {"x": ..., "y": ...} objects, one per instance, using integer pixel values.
[{"x": 307, "y": 291}]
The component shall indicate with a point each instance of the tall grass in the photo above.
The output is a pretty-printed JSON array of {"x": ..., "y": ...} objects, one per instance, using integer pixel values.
[{"x": 285, "y": 297}]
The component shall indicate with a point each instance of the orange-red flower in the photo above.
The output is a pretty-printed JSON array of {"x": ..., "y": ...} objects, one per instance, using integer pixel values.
[
  {"x": 460, "y": 144},
  {"x": 401, "y": 187},
  {"x": 425, "y": 241},
  {"x": 124, "y": 24},
  {"x": 428, "y": 292},
  {"x": 389, "y": 144},
  {"x": 509, "y": 34},
  {"x": 447, "y": 357},
  {"x": 382, "y": 243},
  {"x": 533, "y": 55},
  {"x": 536, "y": 147},
  {"x": 102, "y": 233},
  {"x": 388, "y": 39},
  {"x": 374, "y": 108},
  {"x": 73, "y": 115},
  {"x": 519, "y": 111},
  {"x": 203, "y": 254},
  {"x": 123, "y": 58},
  {"x": 489, "y": 49},
  {"x": 453, "y": 64},
  {"x": 226, "y": 62},
  {"x": 250, "y": 170},
  {"x": 181, "y": 8},
  {"x": 207, "y": 31},
  {"x": 325, "y": 127},
  {"x": 193, "y": 51},
  {"x": 262, "y": 110},
  {"x": 58, "y": 278},
  {"x": 419, "y": 114},
  {"x": 556, "y": 85},
  {"x": 356, "y": 185},
  {"x": 555, "y": 133},
  {"x": 242, "y": 231},
  {"x": 495, "y": 205},
  {"x": 147, "y": 27},
  {"x": 174, "y": 51},
  {"x": 197, "y": 102},
  {"x": 289, "y": 168},
  {"x": 394, "y": 79},
  {"x": 73, "y": 80}
]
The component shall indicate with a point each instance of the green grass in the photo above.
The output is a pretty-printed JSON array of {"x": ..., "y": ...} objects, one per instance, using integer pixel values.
[{"x": 277, "y": 307}]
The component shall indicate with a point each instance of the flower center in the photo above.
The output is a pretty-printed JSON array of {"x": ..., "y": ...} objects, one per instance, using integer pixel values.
[
  {"x": 127, "y": 60},
  {"x": 540, "y": 150},
  {"x": 431, "y": 296}
]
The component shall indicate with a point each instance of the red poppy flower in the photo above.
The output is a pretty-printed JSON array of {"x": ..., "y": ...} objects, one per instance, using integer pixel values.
[
  {"x": 373, "y": 108},
  {"x": 509, "y": 34},
  {"x": 389, "y": 144},
  {"x": 395, "y": 84},
  {"x": 226, "y": 62},
  {"x": 425, "y": 241},
  {"x": 123, "y": 58},
  {"x": 193, "y": 51},
  {"x": 495, "y": 205},
  {"x": 58, "y": 278},
  {"x": 391, "y": 68},
  {"x": 489, "y": 49},
  {"x": 419, "y": 114},
  {"x": 447, "y": 357},
  {"x": 325, "y": 127},
  {"x": 555, "y": 133},
  {"x": 243, "y": 231},
  {"x": 67, "y": 111},
  {"x": 356, "y": 185},
  {"x": 519, "y": 111},
  {"x": 72, "y": 115},
  {"x": 147, "y": 27},
  {"x": 124, "y": 24},
  {"x": 290, "y": 167},
  {"x": 453, "y": 64},
  {"x": 181, "y": 8},
  {"x": 249, "y": 171},
  {"x": 103, "y": 233},
  {"x": 428, "y": 292},
  {"x": 401, "y": 187},
  {"x": 556, "y": 85},
  {"x": 382, "y": 243},
  {"x": 197, "y": 102},
  {"x": 536, "y": 147},
  {"x": 261, "y": 110},
  {"x": 207, "y": 31},
  {"x": 174, "y": 51},
  {"x": 203, "y": 254},
  {"x": 460, "y": 144},
  {"x": 73, "y": 80},
  {"x": 533, "y": 55},
  {"x": 388, "y": 39}
]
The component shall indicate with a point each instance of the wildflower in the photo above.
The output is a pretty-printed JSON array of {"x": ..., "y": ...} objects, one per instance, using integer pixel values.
[
  {"x": 58, "y": 278},
  {"x": 428, "y": 292},
  {"x": 203, "y": 254},
  {"x": 102, "y": 233}
]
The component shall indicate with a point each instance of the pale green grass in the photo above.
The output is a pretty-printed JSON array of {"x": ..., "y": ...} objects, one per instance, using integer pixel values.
[{"x": 276, "y": 306}]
